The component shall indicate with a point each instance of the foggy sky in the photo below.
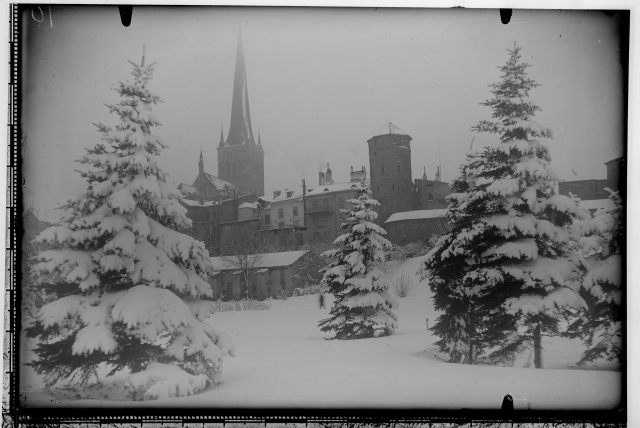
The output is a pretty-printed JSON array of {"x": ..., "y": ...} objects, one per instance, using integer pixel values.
[{"x": 321, "y": 82}]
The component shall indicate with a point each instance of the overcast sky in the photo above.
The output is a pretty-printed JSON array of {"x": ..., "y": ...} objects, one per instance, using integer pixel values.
[{"x": 321, "y": 82}]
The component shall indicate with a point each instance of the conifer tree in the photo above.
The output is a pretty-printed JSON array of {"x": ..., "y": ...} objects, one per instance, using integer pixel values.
[
  {"x": 600, "y": 326},
  {"x": 509, "y": 262},
  {"x": 129, "y": 287},
  {"x": 363, "y": 306}
]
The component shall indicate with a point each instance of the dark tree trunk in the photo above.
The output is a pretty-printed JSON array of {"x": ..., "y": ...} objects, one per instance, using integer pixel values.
[
  {"x": 471, "y": 334},
  {"x": 537, "y": 346}
]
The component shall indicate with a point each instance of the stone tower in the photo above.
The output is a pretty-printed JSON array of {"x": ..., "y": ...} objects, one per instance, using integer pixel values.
[
  {"x": 390, "y": 171},
  {"x": 240, "y": 158}
]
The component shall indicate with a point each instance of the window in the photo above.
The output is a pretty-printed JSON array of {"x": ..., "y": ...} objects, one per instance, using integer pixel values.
[
  {"x": 267, "y": 220},
  {"x": 281, "y": 225},
  {"x": 340, "y": 202},
  {"x": 315, "y": 206},
  {"x": 382, "y": 169},
  {"x": 325, "y": 204},
  {"x": 574, "y": 190},
  {"x": 281, "y": 213},
  {"x": 429, "y": 184},
  {"x": 430, "y": 197},
  {"x": 322, "y": 223},
  {"x": 295, "y": 211},
  {"x": 296, "y": 222}
]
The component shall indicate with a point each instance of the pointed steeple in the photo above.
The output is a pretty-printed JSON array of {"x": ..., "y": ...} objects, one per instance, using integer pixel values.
[
  {"x": 201, "y": 162},
  {"x": 221, "y": 136},
  {"x": 259, "y": 141},
  {"x": 240, "y": 131},
  {"x": 424, "y": 174}
]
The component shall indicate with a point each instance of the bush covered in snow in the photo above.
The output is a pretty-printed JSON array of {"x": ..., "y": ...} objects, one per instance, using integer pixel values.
[
  {"x": 129, "y": 289},
  {"x": 509, "y": 264},
  {"x": 242, "y": 305},
  {"x": 363, "y": 306},
  {"x": 402, "y": 285}
]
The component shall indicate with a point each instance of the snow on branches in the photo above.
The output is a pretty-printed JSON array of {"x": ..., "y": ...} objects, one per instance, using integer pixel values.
[
  {"x": 600, "y": 324},
  {"x": 508, "y": 266},
  {"x": 363, "y": 306},
  {"x": 130, "y": 287}
]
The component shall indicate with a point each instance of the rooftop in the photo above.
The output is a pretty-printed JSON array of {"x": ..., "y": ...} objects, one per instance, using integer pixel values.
[
  {"x": 265, "y": 260},
  {"x": 338, "y": 187},
  {"x": 390, "y": 128},
  {"x": 218, "y": 183},
  {"x": 417, "y": 215},
  {"x": 193, "y": 203},
  {"x": 251, "y": 205}
]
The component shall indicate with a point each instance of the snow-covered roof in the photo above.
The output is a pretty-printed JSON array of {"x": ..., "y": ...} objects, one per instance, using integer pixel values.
[
  {"x": 265, "y": 260},
  {"x": 390, "y": 128},
  {"x": 252, "y": 205},
  {"x": 595, "y": 204},
  {"x": 416, "y": 215},
  {"x": 338, "y": 187},
  {"x": 186, "y": 188},
  {"x": 283, "y": 196},
  {"x": 193, "y": 203},
  {"x": 218, "y": 183}
]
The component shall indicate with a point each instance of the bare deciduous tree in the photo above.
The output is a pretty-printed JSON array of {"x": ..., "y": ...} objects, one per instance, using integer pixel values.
[{"x": 242, "y": 250}]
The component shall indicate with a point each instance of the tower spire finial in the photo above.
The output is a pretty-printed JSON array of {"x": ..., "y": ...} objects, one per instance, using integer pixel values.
[
  {"x": 201, "y": 162},
  {"x": 144, "y": 50}
]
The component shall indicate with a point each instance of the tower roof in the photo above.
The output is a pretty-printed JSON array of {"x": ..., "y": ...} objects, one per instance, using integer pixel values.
[
  {"x": 390, "y": 128},
  {"x": 240, "y": 131}
]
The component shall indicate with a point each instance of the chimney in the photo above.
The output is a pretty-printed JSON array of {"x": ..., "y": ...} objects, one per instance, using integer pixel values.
[
  {"x": 328, "y": 178},
  {"x": 276, "y": 193}
]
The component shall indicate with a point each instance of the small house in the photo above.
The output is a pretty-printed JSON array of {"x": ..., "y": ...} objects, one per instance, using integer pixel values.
[{"x": 269, "y": 275}]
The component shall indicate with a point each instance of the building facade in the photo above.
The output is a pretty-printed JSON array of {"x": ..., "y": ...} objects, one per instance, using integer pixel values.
[
  {"x": 593, "y": 189},
  {"x": 286, "y": 210},
  {"x": 323, "y": 205},
  {"x": 430, "y": 194}
]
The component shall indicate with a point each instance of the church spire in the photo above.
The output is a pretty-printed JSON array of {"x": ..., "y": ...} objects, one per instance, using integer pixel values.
[
  {"x": 240, "y": 131},
  {"x": 424, "y": 174},
  {"x": 221, "y": 135},
  {"x": 201, "y": 162}
]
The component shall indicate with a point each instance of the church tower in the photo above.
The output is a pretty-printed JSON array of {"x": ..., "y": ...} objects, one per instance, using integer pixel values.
[
  {"x": 240, "y": 158},
  {"x": 390, "y": 171}
]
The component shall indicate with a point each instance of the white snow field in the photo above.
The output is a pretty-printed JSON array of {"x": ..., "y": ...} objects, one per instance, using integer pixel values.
[{"x": 283, "y": 361}]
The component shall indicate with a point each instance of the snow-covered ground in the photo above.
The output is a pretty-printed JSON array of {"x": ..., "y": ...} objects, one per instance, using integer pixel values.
[{"x": 283, "y": 360}]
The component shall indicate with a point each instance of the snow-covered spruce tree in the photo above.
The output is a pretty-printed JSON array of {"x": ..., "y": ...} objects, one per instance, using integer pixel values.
[
  {"x": 600, "y": 326},
  {"x": 129, "y": 287},
  {"x": 509, "y": 262},
  {"x": 363, "y": 306}
]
